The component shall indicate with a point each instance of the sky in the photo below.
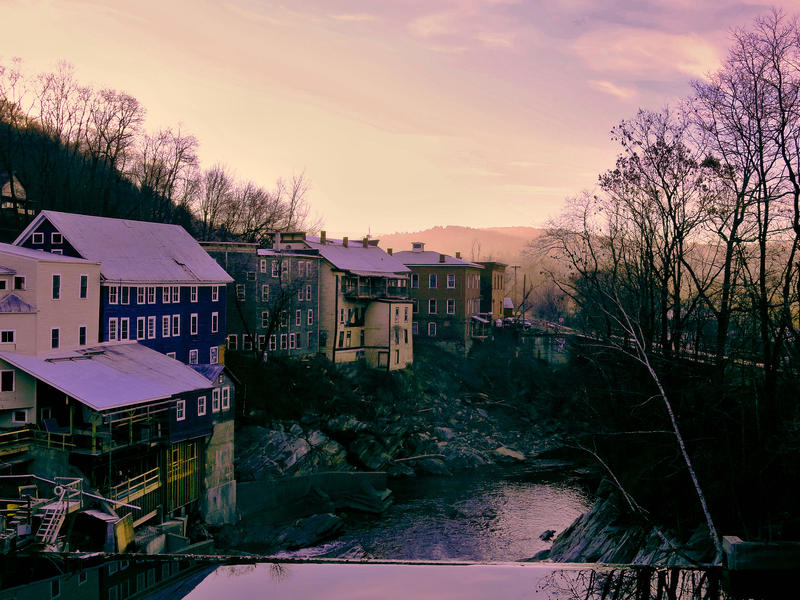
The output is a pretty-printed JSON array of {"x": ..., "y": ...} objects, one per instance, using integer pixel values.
[{"x": 403, "y": 114}]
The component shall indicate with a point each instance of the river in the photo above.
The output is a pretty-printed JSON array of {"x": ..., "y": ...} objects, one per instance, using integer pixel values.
[{"x": 491, "y": 514}]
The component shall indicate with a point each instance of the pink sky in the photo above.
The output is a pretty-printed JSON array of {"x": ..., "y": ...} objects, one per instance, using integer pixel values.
[{"x": 403, "y": 114}]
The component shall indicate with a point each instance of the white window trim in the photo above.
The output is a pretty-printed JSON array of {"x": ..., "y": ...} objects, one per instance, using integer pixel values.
[
  {"x": 113, "y": 325},
  {"x": 193, "y": 293},
  {"x": 13, "y": 333},
  {"x": 215, "y": 400},
  {"x": 127, "y": 328},
  {"x": 165, "y": 295},
  {"x": 143, "y": 321},
  {"x": 37, "y": 238},
  {"x": 310, "y": 316},
  {"x": 58, "y": 329},
  {"x": 180, "y": 410},
  {"x": 215, "y": 293},
  {"x": 113, "y": 298},
  {"x": 56, "y": 238},
  {"x": 151, "y": 294},
  {"x": 213, "y": 355},
  {"x": 86, "y": 340},
  {"x": 52, "y": 290},
  {"x": 448, "y": 303},
  {"x": 151, "y": 328},
  {"x": 141, "y": 294},
  {"x": 201, "y": 406},
  {"x": 214, "y": 322},
  {"x": 176, "y": 294},
  {"x": 176, "y": 326},
  {"x": 24, "y": 412},
  {"x": 194, "y": 324},
  {"x": 226, "y": 398},
  {"x": 13, "y": 379},
  {"x": 451, "y": 277},
  {"x": 193, "y": 356},
  {"x": 166, "y": 326},
  {"x": 80, "y": 282}
]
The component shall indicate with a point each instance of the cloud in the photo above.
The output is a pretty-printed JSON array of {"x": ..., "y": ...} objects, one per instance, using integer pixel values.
[
  {"x": 495, "y": 40},
  {"x": 433, "y": 25},
  {"x": 354, "y": 17},
  {"x": 612, "y": 89},
  {"x": 542, "y": 190},
  {"x": 646, "y": 53},
  {"x": 251, "y": 15}
]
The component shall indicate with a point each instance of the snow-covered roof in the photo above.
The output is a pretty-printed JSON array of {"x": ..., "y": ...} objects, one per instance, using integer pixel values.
[
  {"x": 369, "y": 261},
  {"x": 11, "y": 303},
  {"x": 429, "y": 258},
  {"x": 210, "y": 372},
  {"x": 40, "y": 255},
  {"x": 111, "y": 375},
  {"x": 134, "y": 251}
]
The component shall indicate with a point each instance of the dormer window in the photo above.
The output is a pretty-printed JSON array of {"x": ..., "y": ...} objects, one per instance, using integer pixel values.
[
  {"x": 56, "y": 238},
  {"x": 38, "y": 238}
]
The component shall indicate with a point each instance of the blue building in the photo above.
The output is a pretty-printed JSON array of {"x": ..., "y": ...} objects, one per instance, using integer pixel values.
[{"x": 158, "y": 286}]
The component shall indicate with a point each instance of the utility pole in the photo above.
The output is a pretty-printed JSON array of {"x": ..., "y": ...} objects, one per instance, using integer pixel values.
[{"x": 515, "y": 267}]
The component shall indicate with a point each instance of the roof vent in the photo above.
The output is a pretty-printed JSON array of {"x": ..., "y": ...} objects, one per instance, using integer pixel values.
[
  {"x": 389, "y": 251},
  {"x": 458, "y": 254},
  {"x": 321, "y": 237},
  {"x": 345, "y": 241}
]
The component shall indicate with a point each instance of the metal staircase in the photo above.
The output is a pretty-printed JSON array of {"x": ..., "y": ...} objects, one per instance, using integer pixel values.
[{"x": 54, "y": 514}]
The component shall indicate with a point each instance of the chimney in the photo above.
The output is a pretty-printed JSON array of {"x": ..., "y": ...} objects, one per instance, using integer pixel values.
[
  {"x": 418, "y": 246},
  {"x": 344, "y": 241},
  {"x": 389, "y": 251},
  {"x": 458, "y": 254},
  {"x": 441, "y": 258},
  {"x": 321, "y": 237},
  {"x": 365, "y": 242}
]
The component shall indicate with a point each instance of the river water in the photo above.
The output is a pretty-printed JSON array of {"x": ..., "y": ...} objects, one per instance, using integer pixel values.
[{"x": 492, "y": 514}]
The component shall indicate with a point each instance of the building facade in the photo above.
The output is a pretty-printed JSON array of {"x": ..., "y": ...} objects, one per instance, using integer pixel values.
[
  {"x": 158, "y": 286},
  {"x": 493, "y": 287},
  {"x": 446, "y": 295},
  {"x": 273, "y": 301},
  {"x": 365, "y": 312}
]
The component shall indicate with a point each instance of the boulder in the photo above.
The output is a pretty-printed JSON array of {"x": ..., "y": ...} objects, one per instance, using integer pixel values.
[
  {"x": 310, "y": 531},
  {"x": 432, "y": 466},
  {"x": 508, "y": 455}
]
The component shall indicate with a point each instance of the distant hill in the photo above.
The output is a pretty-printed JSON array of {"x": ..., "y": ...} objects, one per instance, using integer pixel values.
[{"x": 504, "y": 244}]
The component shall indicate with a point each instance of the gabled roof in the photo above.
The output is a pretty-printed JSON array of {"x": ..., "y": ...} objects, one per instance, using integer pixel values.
[
  {"x": 111, "y": 375},
  {"x": 11, "y": 303},
  {"x": 134, "y": 251},
  {"x": 39, "y": 255},
  {"x": 357, "y": 259},
  {"x": 432, "y": 259}
]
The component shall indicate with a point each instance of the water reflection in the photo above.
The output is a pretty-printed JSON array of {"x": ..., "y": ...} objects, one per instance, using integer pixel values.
[{"x": 197, "y": 579}]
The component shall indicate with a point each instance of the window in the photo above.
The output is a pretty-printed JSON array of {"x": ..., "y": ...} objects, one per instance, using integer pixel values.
[
  {"x": 19, "y": 416},
  {"x": 240, "y": 291},
  {"x": 124, "y": 328},
  {"x": 141, "y": 324},
  {"x": 214, "y": 322},
  {"x": 226, "y": 398},
  {"x": 292, "y": 341},
  {"x": 215, "y": 400},
  {"x": 233, "y": 341},
  {"x": 19, "y": 282},
  {"x": 82, "y": 335},
  {"x": 151, "y": 294},
  {"x": 2, "y": 284},
  {"x": 56, "y": 287},
  {"x": 165, "y": 326},
  {"x": 310, "y": 339},
  {"x": 215, "y": 293},
  {"x": 165, "y": 295},
  {"x": 405, "y": 335},
  {"x": 284, "y": 318},
  {"x": 414, "y": 327},
  {"x": 451, "y": 280},
  {"x": 273, "y": 342},
  {"x": 192, "y": 357},
  {"x": 348, "y": 338},
  {"x": 176, "y": 294},
  {"x": 432, "y": 283},
  {"x": 6, "y": 381},
  {"x": 396, "y": 336},
  {"x": 265, "y": 319},
  {"x": 274, "y": 268},
  {"x": 262, "y": 265},
  {"x": 193, "y": 293},
  {"x": 55, "y": 334},
  {"x": 432, "y": 329},
  {"x": 38, "y": 238},
  {"x": 113, "y": 295},
  {"x": 310, "y": 316},
  {"x": 141, "y": 294},
  {"x": 54, "y": 251},
  {"x": 112, "y": 329},
  {"x": 171, "y": 355},
  {"x": 247, "y": 342},
  {"x": 7, "y": 336},
  {"x": 308, "y": 292},
  {"x": 341, "y": 315},
  {"x": 265, "y": 293},
  {"x": 284, "y": 343},
  {"x": 201, "y": 406},
  {"x": 55, "y": 238},
  {"x": 251, "y": 276},
  {"x": 415, "y": 305},
  {"x": 414, "y": 280},
  {"x": 300, "y": 294},
  {"x": 125, "y": 291},
  {"x": 213, "y": 355},
  {"x": 180, "y": 410},
  {"x": 193, "y": 324},
  {"x": 432, "y": 306},
  {"x": 151, "y": 328},
  {"x": 298, "y": 318},
  {"x": 451, "y": 306},
  {"x": 176, "y": 325},
  {"x": 84, "y": 286}
]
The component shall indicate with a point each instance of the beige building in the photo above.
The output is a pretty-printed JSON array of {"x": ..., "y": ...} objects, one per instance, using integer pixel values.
[
  {"x": 364, "y": 310},
  {"x": 48, "y": 303}
]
